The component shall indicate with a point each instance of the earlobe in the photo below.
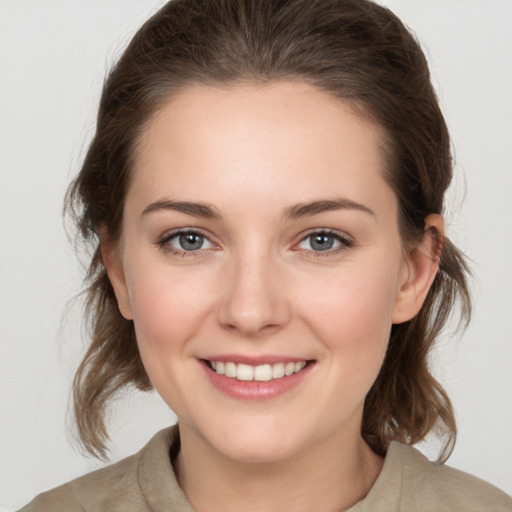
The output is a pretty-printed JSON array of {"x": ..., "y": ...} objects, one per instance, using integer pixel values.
[
  {"x": 420, "y": 268},
  {"x": 113, "y": 264}
]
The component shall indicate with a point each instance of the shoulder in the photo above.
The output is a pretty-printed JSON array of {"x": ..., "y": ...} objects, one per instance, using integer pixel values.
[
  {"x": 92, "y": 491},
  {"x": 120, "y": 487},
  {"x": 442, "y": 488}
]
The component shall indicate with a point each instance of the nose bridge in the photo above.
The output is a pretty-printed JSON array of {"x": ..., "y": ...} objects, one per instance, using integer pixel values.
[{"x": 255, "y": 298}]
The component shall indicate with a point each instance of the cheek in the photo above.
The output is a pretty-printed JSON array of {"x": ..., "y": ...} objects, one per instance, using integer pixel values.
[
  {"x": 167, "y": 306},
  {"x": 168, "y": 309},
  {"x": 353, "y": 312}
]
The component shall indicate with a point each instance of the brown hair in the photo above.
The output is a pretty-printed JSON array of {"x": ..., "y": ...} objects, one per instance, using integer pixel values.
[{"x": 355, "y": 50}]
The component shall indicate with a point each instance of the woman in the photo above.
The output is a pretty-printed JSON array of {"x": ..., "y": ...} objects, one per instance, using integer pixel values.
[{"x": 265, "y": 191}]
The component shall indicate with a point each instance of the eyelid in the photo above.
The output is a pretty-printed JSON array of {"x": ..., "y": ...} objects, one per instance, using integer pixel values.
[
  {"x": 163, "y": 240},
  {"x": 346, "y": 242},
  {"x": 340, "y": 235}
]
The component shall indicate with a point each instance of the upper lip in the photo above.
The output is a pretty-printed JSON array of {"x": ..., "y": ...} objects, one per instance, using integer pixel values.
[{"x": 254, "y": 360}]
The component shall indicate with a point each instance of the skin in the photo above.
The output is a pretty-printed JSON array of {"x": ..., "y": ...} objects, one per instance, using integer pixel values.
[{"x": 258, "y": 286}]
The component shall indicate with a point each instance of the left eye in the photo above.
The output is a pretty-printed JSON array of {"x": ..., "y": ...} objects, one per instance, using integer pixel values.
[
  {"x": 320, "y": 242},
  {"x": 188, "y": 241}
]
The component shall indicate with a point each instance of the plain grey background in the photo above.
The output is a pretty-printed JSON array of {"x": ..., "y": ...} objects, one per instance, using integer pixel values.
[{"x": 53, "y": 56}]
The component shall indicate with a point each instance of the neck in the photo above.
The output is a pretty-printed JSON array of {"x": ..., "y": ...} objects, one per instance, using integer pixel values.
[{"x": 311, "y": 480}]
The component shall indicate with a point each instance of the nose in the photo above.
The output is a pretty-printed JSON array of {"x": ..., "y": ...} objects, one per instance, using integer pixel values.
[{"x": 254, "y": 300}]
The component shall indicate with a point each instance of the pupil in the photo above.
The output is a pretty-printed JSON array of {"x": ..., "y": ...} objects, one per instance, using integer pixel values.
[
  {"x": 191, "y": 241},
  {"x": 322, "y": 242}
]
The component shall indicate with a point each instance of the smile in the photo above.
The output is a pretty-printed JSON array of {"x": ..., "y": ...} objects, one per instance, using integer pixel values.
[{"x": 261, "y": 373}]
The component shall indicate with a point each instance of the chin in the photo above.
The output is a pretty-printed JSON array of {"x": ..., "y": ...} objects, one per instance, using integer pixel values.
[
  {"x": 257, "y": 442},
  {"x": 262, "y": 451}
]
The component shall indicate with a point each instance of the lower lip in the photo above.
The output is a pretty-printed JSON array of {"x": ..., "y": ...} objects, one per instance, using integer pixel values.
[{"x": 255, "y": 390}]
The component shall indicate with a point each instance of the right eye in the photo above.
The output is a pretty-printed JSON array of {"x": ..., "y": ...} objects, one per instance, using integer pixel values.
[{"x": 185, "y": 241}]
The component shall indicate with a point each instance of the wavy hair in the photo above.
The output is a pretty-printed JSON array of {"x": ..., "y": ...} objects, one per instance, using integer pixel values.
[{"x": 357, "y": 51}]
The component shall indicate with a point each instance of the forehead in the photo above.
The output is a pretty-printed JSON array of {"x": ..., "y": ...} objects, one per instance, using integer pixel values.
[{"x": 280, "y": 139}]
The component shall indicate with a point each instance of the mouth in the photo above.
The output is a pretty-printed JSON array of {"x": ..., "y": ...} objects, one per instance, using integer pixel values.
[{"x": 260, "y": 373}]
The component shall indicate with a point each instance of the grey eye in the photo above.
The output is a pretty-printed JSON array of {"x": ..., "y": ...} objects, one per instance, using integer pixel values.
[
  {"x": 321, "y": 242},
  {"x": 191, "y": 241}
]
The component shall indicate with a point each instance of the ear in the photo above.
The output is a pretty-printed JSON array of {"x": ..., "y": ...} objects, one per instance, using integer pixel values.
[
  {"x": 111, "y": 257},
  {"x": 419, "y": 271}
]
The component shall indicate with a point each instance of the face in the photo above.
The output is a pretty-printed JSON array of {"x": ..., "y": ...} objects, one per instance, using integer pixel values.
[{"x": 262, "y": 266}]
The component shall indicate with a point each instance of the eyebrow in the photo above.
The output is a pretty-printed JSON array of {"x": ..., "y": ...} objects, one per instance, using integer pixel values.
[
  {"x": 325, "y": 205},
  {"x": 294, "y": 212},
  {"x": 203, "y": 210}
]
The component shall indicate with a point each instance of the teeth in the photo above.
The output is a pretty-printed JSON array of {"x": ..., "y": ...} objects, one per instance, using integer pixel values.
[
  {"x": 289, "y": 369},
  {"x": 244, "y": 372},
  {"x": 277, "y": 370},
  {"x": 230, "y": 370},
  {"x": 262, "y": 373}
]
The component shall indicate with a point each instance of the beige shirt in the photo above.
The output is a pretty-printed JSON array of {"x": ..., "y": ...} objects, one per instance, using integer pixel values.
[{"x": 145, "y": 482}]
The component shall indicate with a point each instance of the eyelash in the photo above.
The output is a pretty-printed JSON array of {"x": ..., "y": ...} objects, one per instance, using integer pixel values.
[
  {"x": 163, "y": 242},
  {"x": 345, "y": 243}
]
